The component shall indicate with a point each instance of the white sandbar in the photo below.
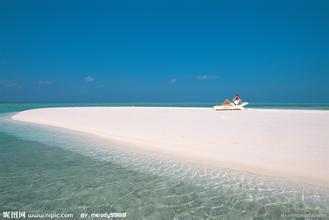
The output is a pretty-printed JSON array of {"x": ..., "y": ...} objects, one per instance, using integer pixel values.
[{"x": 293, "y": 144}]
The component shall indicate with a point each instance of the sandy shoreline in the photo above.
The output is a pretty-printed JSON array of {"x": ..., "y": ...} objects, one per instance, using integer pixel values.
[{"x": 293, "y": 144}]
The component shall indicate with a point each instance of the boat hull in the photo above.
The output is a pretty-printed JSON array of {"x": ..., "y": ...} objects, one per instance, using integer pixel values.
[{"x": 230, "y": 107}]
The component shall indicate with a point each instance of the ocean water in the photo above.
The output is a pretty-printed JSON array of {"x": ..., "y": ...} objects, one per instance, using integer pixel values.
[
  {"x": 13, "y": 107},
  {"x": 50, "y": 170}
]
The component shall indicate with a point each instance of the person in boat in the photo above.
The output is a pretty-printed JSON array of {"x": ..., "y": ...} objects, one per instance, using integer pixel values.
[
  {"x": 237, "y": 100},
  {"x": 227, "y": 102}
]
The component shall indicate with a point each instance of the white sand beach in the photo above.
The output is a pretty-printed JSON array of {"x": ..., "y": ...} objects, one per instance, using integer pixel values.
[{"x": 293, "y": 144}]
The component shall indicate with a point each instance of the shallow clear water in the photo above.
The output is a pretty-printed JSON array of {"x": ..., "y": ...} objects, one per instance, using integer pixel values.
[
  {"x": 12, "y": 107},
  {"x": 45, "y": 170}
]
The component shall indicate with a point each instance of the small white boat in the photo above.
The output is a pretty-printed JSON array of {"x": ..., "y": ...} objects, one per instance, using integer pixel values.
[{"x": 231, "y": 106}]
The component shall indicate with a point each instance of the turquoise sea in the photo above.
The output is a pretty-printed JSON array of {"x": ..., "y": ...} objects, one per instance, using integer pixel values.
[
  {"x": 12, "y": 107},
  {"x": 49, "y": 170}
]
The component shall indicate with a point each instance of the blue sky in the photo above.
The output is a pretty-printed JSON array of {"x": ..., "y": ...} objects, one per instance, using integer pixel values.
[{"x": 164, "y": 51}]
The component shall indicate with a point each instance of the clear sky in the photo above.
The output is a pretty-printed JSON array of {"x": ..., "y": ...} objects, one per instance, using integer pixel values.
[{"x": 164, "y": 51}]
